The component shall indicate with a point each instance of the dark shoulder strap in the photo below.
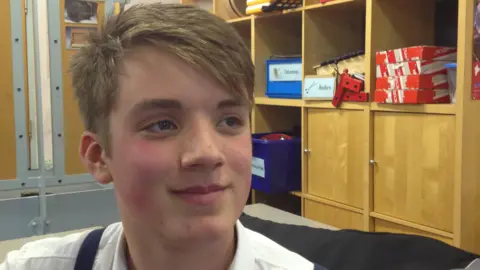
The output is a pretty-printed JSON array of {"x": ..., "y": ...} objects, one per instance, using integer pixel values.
[{"x": 88, "y": 250}]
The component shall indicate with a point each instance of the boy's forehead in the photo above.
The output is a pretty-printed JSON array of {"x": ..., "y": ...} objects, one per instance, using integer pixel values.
[{"x": 155, "y": 68}]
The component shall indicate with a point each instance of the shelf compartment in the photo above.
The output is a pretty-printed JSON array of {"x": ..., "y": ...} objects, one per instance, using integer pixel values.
[
  {"x": 274, "y": 35},
  {"x": 276, "y": 119},
  {"x": 327, "y": 37},
  {"x": 400, "y": 24},
  {"x": 244, "y": 27}
]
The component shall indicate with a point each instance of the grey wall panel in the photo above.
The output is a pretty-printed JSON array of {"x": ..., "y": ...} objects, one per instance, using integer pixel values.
[
  {"x": 72, "y": 211},
  {"x": 15, "y": 217}
]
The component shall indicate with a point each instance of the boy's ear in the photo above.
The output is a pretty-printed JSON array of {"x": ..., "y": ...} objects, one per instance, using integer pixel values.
[{"x": 94, "y": 158}]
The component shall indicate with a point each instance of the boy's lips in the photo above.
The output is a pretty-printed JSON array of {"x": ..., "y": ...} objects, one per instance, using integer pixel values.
[
  {"x": 201, "y": 195},
  {"x": 200, "y": 189}
]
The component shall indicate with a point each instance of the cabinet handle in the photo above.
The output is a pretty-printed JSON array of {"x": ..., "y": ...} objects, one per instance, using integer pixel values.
[
  {"x": 306, "y": 151},
  {"x": 372, "y": 162}
]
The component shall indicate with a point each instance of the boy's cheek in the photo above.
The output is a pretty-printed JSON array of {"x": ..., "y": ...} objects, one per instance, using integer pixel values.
[
  {"x": 141, "y": 188},
  {"x": 141, "y": 174}
]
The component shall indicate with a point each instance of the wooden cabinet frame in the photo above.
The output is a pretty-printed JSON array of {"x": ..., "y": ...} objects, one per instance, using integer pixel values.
[{"x": 388, "y": 24}]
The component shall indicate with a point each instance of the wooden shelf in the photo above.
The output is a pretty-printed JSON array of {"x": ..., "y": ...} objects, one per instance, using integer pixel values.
[
  {"x": 328, "y": 105},
  {"x": 412, "y": 225},
  {"x": 421, "y": 108},
  {"x": 278, "y": 102},
  {"x": 295, "y": 12},
  {"x": 368, "y": 157},
  {"x": 81, "y": 25},
  {"x": 241, "y": 20},
  {"x": 312, "y": 4},
  {"x": 327, "y": 202},
  {"x": 447, "y": 109}
]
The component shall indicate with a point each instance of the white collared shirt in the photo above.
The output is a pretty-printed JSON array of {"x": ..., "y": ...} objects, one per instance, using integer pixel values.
[{"x": 254, "y": 252}]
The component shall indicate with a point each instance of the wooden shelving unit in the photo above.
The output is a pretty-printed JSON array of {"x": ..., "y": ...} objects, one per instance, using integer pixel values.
[{"x": 376, "y": 167}]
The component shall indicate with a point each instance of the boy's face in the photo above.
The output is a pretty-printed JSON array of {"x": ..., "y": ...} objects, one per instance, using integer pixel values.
[{"x": 180, "y": 149}]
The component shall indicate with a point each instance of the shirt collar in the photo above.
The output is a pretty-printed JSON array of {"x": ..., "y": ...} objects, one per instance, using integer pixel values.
[{"x": 243, "y": 259}]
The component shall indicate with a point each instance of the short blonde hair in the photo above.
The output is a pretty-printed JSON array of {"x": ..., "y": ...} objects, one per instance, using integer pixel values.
[{"x": 193, "y": 34}]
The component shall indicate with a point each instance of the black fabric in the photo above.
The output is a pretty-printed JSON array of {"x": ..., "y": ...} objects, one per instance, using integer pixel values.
[
  {"x": 318, "y": 267},
  {"x": 88, "y": 250},
  {"x": 350, "y": 249}
]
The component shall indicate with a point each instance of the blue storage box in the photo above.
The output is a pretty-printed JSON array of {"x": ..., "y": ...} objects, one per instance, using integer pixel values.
[
  {"x": 284, "y": 78},
  {"x": 276, "y": 165}
]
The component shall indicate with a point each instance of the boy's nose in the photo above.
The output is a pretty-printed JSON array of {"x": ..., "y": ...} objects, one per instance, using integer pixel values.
[{"x": 202, "y": 148}]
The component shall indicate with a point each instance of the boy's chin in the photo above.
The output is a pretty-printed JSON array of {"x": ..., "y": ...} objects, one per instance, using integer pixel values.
[{"x": 205, "y": 227}]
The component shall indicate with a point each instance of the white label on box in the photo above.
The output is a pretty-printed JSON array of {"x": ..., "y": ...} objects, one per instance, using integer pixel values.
[
  {"x": 285, "y": 72},
  {"x": 258, "y": 167},
  {"x": 323, "y": 88}
]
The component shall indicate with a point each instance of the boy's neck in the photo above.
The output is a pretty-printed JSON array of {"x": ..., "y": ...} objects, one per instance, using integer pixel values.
[{"x": 152, "y": 252}]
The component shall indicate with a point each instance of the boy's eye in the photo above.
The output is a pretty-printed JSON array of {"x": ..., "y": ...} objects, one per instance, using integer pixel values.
[
  {"x": 232, "y": 122},
  {"x": 160, "y": 126}
]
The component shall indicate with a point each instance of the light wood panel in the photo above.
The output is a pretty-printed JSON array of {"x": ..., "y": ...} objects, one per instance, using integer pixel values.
[
  {"x": 339, "y": 218},
  {"x": 414, "y": 162},
  {"x": 467, "y": 143},
  {"x": 73, "y": 124},
  {"x": 336, "y": 160},
  {"x": 7, "y": 121},
  {"x": 389, "y": 227},
  {"x": 367, "y": 120}
]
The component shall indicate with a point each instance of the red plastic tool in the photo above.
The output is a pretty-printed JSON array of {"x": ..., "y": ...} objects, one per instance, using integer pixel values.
[
  {"x": 347, "y": 83},
  {"x": 356, "y": 97}
]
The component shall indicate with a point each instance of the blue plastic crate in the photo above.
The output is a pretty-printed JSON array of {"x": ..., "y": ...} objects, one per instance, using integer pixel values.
[
  {"x": 276, "y": 165},
  {"x": 284, "y": 78}
]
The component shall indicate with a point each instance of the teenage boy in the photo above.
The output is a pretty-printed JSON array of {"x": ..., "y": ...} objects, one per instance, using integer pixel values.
[{"x": 165, "y": 92}]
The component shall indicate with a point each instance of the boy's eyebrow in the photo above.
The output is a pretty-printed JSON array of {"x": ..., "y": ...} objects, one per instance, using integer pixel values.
[
  {"x": 151, "y": 104},
  {"x": 228, "y": 103}
]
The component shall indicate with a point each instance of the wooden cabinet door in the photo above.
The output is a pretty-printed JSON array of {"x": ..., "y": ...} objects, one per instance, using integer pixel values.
[
  {"x": 335, "y": 162},
  {"x": 414, "y": 167}
]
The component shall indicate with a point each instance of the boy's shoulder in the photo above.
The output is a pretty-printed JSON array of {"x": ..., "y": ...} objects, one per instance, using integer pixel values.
[
  {"x": 270, "y": 255},
  {"x": 55, "y": 252}
]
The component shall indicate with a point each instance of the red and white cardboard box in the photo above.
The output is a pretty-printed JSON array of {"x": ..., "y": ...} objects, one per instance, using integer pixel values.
[
  {"x": 411, "y": 68},
  {"x": 476, "y": 80},
  {"x": 413, "y": 82},
  {"x": 416, "y": 53},
  {"x": 412, "y": 96}
]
